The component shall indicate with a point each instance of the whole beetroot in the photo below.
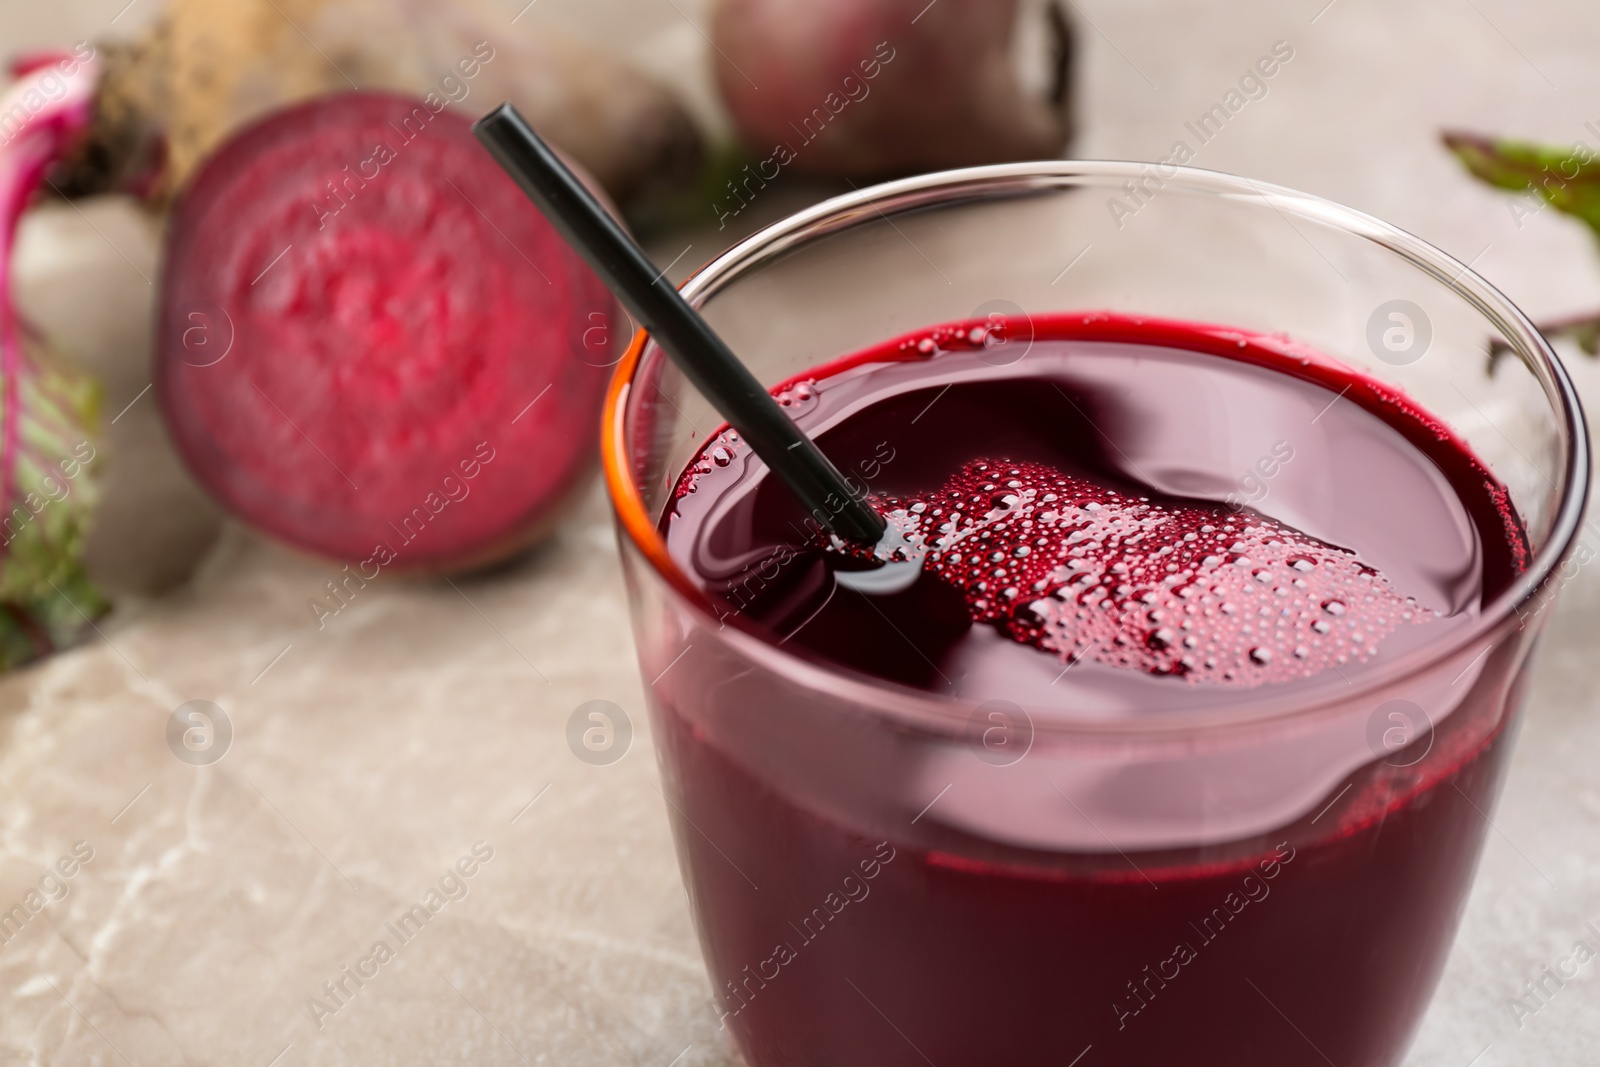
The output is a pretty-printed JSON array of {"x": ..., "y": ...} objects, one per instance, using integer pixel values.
[
  {"x": 879, "y": 88},
  {"x": 208, "y": 68}
]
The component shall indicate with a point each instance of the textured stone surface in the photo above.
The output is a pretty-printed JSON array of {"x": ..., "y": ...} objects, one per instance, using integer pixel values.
[{"x": 372, "y": 754}]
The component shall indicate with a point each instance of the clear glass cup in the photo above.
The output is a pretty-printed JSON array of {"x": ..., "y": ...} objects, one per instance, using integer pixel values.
[{"x": 882, "y": 876}]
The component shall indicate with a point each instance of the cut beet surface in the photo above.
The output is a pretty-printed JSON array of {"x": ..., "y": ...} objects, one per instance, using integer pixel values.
[{"x": 371, "y": 346}]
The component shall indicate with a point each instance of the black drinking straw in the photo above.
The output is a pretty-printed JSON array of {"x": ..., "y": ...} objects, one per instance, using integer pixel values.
[{"x": 680, "y": 330}]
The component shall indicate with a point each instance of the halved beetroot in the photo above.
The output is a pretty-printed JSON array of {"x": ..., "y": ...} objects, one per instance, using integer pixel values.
[{"x": 371, "y": 345}]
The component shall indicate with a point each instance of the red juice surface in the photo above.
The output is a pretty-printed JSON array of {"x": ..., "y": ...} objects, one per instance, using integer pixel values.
[{"x": 1130, "y": 518}]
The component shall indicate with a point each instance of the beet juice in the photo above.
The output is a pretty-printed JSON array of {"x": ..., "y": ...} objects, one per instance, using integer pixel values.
[{"x": 1096, "y": 522}]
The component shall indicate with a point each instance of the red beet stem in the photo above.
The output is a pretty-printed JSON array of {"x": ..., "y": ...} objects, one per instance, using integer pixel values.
[{"x": 40, "y": 116}]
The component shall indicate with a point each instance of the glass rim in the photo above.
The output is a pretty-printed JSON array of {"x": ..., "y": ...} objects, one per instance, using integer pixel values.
[{"x": 1253, "y": 707}]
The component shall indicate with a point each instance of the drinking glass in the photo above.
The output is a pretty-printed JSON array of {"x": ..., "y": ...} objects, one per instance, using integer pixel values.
[{"x": 885, "y": 877}]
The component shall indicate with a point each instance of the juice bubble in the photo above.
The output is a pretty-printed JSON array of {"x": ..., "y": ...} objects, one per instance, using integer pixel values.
[{"x": 1118, "y": 578}]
